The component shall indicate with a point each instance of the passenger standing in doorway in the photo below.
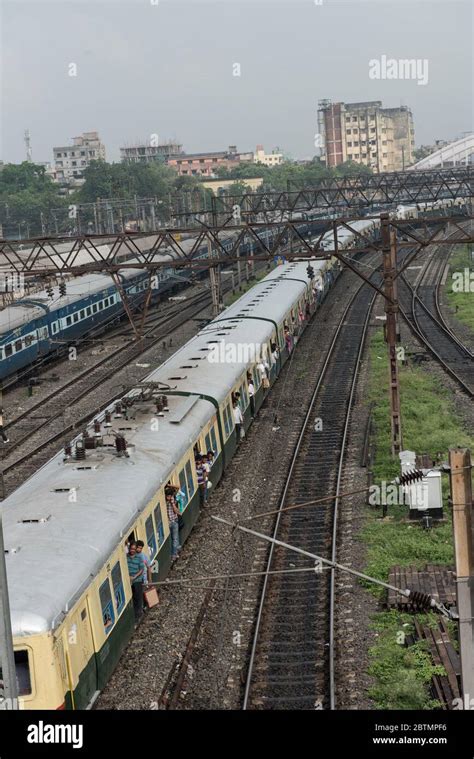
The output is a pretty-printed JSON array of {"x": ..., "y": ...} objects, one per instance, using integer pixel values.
[
  {"x": 238, "y": 420},
  {"x": 173, "y": 514},
  {"x": 147, "y": 570},
  {"x": 251, "y": 388},
  {"x": 264, "y": 371},
  {"x": 3, "y": 435},
  {"x": 201, "y": 475},
  {"x": 136, "y": 567},
  {"x": 146, "y": 579},
  {"x": 288, "y": 340}
]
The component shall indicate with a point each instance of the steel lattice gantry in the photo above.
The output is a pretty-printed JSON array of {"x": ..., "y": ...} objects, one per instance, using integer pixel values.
[
  {"x": 56, "y": 256},
  {"x": 407, "y": 187}
]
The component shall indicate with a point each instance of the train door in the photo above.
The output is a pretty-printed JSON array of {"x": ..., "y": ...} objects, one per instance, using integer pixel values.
[
  {"x": 86, "y": 641},
  {"x": 44, "y": 345},
  {"x": 80, "y": 657},
  {"x": 63, "y": 668}
]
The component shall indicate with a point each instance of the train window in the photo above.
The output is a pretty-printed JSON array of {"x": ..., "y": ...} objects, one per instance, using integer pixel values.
[
  {"x": 88, "y": 310},
  {"x": 1, "y": 354},
  {"x": 55, "y": 327},
  {"x": 75, "y": 317},
  {"x": 82, "y": 314},
  {"x": 183, "y": 487},
  {"x": 117, "y": 583},
  {"x": 18, "y": 345},
  {"x": 150, "y": 537},
  {"x": 244, "y": 394},
  {"x": 23, "y": 677},
  {"x": 68, "y": 320},
  {"x": 108, "y": 614},
  {"x": 189, "y": 478},
  {"x": 207, "y": 442},
  {"x": 101, "y": 305},
  {"x": 159, "y": 525},
  {"x": 8, "y": 349},
  {"x": 226, "y": 421},
  {"x": 94, "y": 308},
  {"x": 214, "y": 441},
  {"x": 28, "y": 340}
]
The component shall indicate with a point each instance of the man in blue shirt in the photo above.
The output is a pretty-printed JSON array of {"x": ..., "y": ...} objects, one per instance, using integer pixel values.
[{"x": 136, "y": 568}]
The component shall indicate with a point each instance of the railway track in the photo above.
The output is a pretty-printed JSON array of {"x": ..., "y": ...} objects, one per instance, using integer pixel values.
[
  {"x": 419, "y": 306},
  {"x": 291, "y": 663},
  {"x": 37, "y": 433},
  {"x": 67, "y": 408}
]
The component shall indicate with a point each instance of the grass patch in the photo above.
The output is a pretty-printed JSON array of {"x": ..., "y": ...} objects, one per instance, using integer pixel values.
[
  {"x": 462, "y": 302},
  {"x": 402, "y": 673},
  {"x": 429, "y": 421},
  {"x": 403, "y": 543},
  {"x": 429, "y": 425}
]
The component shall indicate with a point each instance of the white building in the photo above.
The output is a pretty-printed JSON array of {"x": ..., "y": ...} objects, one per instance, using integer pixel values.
[
  {"x": 268, "y": 159},
  {"x": 70, "y": 161}
]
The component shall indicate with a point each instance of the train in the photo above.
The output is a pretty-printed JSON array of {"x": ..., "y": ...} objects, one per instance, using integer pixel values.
[
  {"x": 40, "y": 324},
  {"x": 66, "y": 527},
  {"x": 434, "y": 208}
]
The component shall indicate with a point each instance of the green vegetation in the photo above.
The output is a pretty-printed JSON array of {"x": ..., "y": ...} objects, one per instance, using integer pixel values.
[
  {"x": 399, "y": 542},
  {"x": 32, "y": 204},
  {"x": 402, "y": 673},
  {"x": 429, "y": 424},
  {"x": 459, "y": 286},
  {"x": 277, "y": 177},
  {"x": 423, "y": 151},
  {"x": 27, "y": 197}
]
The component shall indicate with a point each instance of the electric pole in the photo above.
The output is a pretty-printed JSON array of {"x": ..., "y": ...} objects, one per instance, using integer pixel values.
[
  {"x": 214, "y": 271},
  {"x": 28, "y": 145},
  {"x": 389, "y": 252},
  {"x": 7, "y": 656},
  {"x": 461, "y": 495}
]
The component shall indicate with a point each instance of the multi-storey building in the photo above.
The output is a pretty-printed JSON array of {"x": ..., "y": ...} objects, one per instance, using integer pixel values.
[
  {"x": 268, "y": 159},
  {"x": 144, "y": 152},
  {"x": 71, "y": 160},
  {"x": 366, "y": 133},
  {"x": 206, "y": 164}
]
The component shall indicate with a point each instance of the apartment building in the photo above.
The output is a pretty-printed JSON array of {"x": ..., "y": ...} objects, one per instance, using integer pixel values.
[
  {"x": 366, "y": 133},
  {"x": 268, "y": 159},
  {"x": 206, "y": 164},
  {"x": 71, "y": 160}
]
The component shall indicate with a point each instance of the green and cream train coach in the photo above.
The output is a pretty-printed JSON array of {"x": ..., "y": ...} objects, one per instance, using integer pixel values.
[{"x": 66, "y": 527}]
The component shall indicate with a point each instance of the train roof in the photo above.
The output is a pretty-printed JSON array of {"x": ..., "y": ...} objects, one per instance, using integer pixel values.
[
  {"x": 21, "y": 312},
  {"x": 80, "y": 253},
  {"x": 62, "y": 543},
  {"x": 35, "y": 305},
  {"x": 246, "y": 324}
]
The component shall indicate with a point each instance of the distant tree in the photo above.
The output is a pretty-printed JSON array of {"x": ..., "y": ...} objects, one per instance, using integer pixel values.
[
  {"x": 27, "y": 199},
  {"x": 351, "y": 168},
  {"x": 423, "y": 151}
]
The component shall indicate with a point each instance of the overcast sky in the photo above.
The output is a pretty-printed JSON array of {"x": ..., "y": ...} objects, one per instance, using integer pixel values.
[{"x": 167, "y": 67}]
